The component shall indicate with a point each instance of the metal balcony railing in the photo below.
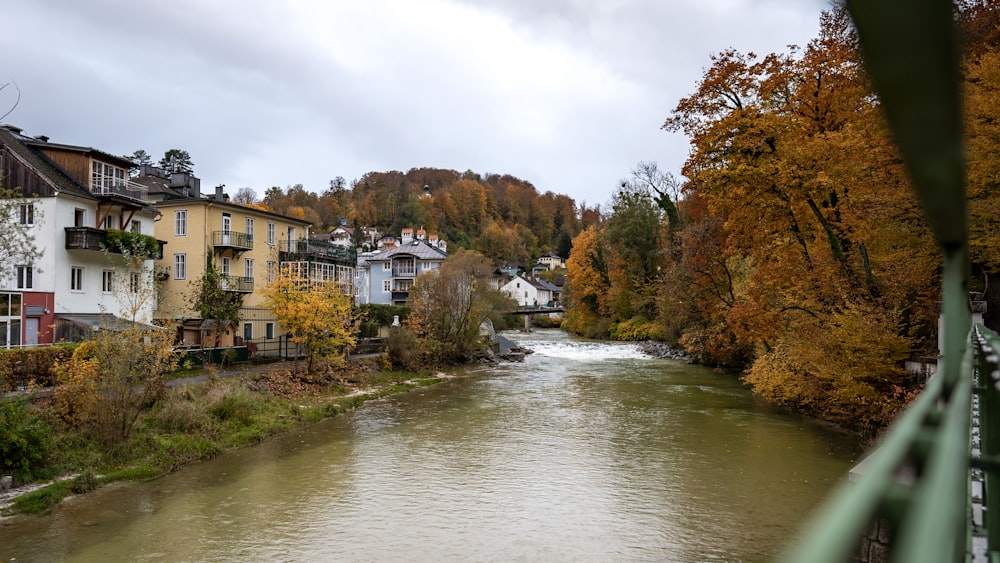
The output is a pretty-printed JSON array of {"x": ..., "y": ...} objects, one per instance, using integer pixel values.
[
  {"x": 232, "y": 240},
  {"x": 127, "y": 189},
  {"x": 89, "y": 238},
  {"x": 239, "y": 284}
]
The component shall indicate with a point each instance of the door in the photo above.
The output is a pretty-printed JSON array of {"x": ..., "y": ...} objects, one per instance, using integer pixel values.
[
  {"x": 31, "y": 331},
  {"x": 227, "y": 227}
]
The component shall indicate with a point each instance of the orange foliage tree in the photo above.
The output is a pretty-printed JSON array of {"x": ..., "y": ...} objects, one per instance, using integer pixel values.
[
  {"x": 809, "y": 230},
  {"x": 318, "y": 315}
]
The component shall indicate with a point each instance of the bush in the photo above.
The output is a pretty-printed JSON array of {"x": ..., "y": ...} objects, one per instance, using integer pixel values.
[
  {"x": 403, "y": 350},
  {"x": 20, "y": 367},
  {"x": 636, "y": 329},
  {"x": 25, "y": 440}
]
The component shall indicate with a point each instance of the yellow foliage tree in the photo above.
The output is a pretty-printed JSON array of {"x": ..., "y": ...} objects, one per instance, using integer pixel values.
[{"x": 317, "y": 314}]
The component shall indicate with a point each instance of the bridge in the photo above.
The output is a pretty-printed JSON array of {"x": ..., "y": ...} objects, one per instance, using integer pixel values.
[
  {"x": 541, "y": 309},
  {"x": 932, "y": 487}
]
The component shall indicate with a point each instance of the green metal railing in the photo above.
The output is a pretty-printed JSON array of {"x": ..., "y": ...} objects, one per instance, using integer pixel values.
[{"x": 935, "y": 473}]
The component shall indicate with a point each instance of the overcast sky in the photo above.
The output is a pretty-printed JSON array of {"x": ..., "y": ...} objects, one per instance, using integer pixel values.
[{"x": 566, "y": 94}]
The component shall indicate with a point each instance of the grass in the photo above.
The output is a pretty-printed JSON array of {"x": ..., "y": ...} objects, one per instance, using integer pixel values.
[{"x": 197, "y": 422}]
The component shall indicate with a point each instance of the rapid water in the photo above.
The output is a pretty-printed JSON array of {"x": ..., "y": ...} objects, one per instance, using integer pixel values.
[{"x": 586, "y": 451}]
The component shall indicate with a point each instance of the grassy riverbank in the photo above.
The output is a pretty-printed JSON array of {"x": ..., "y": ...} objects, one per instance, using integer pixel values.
[{"x": 198, "y": 421}]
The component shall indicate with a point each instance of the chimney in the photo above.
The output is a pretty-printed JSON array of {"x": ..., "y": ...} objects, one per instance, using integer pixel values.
[
  {"x": 42, "y": 138},
  {"x": 218, "y": 192}
]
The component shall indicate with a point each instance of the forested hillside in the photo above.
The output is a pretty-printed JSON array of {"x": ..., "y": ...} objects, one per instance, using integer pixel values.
[
  {"x": 502, "y": 217},
  {"x": 795, "y": 247}
]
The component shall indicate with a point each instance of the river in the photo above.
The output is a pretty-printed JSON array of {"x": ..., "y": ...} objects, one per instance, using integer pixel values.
[{"x": 584, "y": 452}]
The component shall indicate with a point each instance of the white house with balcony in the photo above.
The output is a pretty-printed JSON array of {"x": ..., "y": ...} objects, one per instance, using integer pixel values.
[
  {"x": 82, "y": 207},
  {"x": 386, "y": 277}
]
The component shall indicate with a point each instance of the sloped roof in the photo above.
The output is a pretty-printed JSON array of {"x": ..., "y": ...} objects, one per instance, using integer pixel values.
[
  {"x": 24, "y": 148},
  {"x": 417, "y": 248},
  {"x": 544, "y": 284}
]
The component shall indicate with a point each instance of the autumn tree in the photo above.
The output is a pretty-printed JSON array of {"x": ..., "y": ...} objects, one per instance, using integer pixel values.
[
  {"x": 317, "y": 315},
  {"x": 449, "y": 304},
  {"x": 588, "y": 285},
  {"x": 246, "y": 196},
  {"x": 118, "y": 372},
  {"x": 808, "y": 225}
]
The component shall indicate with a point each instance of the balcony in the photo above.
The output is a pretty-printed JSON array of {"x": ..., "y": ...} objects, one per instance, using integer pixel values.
[
  {"x": 238, "y": 284},
  {"x": 405, "y": 272},
  {"x": 400, "y": 295},
  {"x": 319, "y": 251},
  {"x": 122, "y": 189},
  {"x": 115, "y": 242},
  {"x": 222, "y": 240}
]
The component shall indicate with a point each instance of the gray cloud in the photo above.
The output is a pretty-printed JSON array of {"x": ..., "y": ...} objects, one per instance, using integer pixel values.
[{"x": 567, "y": 94}]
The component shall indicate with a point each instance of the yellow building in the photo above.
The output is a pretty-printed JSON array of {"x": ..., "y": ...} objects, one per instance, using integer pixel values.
[{"x": 244, "y": 244}]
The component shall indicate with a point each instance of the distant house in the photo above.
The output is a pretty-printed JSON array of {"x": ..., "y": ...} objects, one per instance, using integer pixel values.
[
  {"x": 552, "y": 261},
  {"x": 511, "y": 268},
  {"x": 531, "y": 292},
  {"x": 520, "y": 289},
  {"x": 386, "y": 277},
  {"x": 83, "y": 200},
  {"x": 342, "y": 236}
]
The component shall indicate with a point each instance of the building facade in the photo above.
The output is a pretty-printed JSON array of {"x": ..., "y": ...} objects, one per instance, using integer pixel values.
[
  {"x": 386, "y": 277},
  {"x": 245, "y": 245},
  {"x": 83, "y": 213}
]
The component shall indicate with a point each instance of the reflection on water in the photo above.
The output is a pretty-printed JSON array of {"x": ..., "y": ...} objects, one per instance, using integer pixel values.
[{"x": 586, "y": 451}]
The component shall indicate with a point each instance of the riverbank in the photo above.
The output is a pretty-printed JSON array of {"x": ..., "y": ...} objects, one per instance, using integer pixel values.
[{"x": 202, "y": 416}]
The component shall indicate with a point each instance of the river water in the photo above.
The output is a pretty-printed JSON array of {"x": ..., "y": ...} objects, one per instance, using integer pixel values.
[{"x": 584, "y": 452}]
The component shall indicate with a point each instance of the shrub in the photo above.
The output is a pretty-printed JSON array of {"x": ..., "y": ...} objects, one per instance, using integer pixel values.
[
  {"x": 403, "y": 350},
  {"x": 24, "y": 440},
  {"x": 636, "y": 329},
  {"x": 19, "y": 367}
]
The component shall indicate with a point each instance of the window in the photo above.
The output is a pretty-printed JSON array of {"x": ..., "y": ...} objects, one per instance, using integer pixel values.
[
  {"x": 248, "y": 268},
  {"x": 386, "y": 266},
  {"x": 226, "y": 263},
  {"x": 250, "y": 229},
  {"x": 386, "y": 286},
  {"x": 270, "y": 233},
  {"x": 247, "y": 331},
  {"x": 106, "y": 178},
  {"x": 134, "y": 282},
  {"x": 24, "y": 275},
  {"x": 269, "y": 330},
  {"x": 27, "y": 215},
  {"x": 272, "y": 270},
  {"x": 180, "y": 266},
  {"x": 107, "y": 281},
  {"x": 79, "y": 217},
  {"x": 136, "y": 227},
  {"x": 180, "y": 223},
  {"x": 76, "y": 278}
]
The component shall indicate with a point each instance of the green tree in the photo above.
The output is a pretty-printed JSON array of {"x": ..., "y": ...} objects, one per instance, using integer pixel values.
[
  {"x": 213, "y": 299},
  {"x": 176, "y": 160}
]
